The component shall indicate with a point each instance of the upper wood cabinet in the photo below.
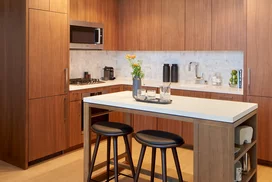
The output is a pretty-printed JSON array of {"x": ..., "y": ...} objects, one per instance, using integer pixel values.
[
  {"x": 48, "y": 54},
  {"x": 39, "y": 4},
  {"x": 259, "y": 47},
  {"x": 264, "y": 126},
  {"x": 150, "y": 25},
  {"x": 129, "y": 22},
  {"x": 60, "y": 6},
  {"x": 198, "y": 25},
  {"x": 173, "y": 24},
  {"x": 229, "y": 25},
  {"x": 78, "y": 10},
  {"x": 48, "y": 119}
]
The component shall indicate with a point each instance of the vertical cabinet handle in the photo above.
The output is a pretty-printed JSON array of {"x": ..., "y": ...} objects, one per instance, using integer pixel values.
[
  {"x": 66, "y": 81},
  {"x": 65, "y": 109},
  {"x": 249, "y": 79}
]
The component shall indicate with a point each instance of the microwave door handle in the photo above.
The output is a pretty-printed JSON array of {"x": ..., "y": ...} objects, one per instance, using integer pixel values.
[{"x": 99, "y": 34}]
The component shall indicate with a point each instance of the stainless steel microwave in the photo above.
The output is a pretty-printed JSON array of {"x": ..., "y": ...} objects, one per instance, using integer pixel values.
[{"x": 86, "y": 35}]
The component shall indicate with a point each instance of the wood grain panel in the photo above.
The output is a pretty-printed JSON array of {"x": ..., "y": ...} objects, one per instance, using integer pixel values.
[
  {"x": 78, "y": 10},
  {"x": 264, "y": 126},
  {"x": 173, "y": 25},
  {"x": 129, "y": 21},
  {"x": 111, "y": 25},
  {"x": 171, "y": 126},
  {"x": 13, "y": 117},
  {"x": 230, "y": 97},
  {"x": 52, "y": 30},
  {"x": 46, "y": 126},
  {"x": 39, "y": 4},
  {"x": 75, "y": 133},
  {"x": 95, "y": 10},
  {"x": 230, "y": 35},
  {"x": 141, "y": 122},
  {"x": 150, "y": 26},
  {"x": 59, "y": 6},
  {"x": 259, "y": 47},
  {"x": 198, "y": 25}
]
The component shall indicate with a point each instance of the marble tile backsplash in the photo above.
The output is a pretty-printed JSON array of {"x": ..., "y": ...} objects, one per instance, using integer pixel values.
[{"x": 210, "y": 62}]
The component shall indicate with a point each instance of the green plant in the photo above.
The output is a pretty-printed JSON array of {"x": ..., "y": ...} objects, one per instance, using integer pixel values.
[{"x": 135, "y": 65}]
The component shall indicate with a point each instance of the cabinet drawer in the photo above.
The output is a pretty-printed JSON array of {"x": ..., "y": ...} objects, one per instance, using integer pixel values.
[
  {"x": 75, "y": 96},
  {"x": 118, "y": 88},
  {"x": 127, "y": 87},
  {"x": 230, "y": 97}
]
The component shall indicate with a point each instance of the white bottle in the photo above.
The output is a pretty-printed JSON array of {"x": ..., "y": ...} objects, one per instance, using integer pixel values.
[{"x": 238, "y": 171}]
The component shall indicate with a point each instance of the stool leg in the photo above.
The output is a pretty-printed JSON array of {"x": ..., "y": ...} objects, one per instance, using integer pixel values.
[
  {"x": 164, "y": 172},
  {"x": 175, "y": 154},
  {"x": 94, "y": 156},
  {"x": 115, "y": 147},
  {"x": 129, "y": 156},
  {"x": 108, "y": 157},
  {"x": 140, "y": 162},
  {"x": 153, "y": 164}
]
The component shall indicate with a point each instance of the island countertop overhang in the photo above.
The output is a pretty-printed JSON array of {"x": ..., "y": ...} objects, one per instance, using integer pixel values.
[{"x": 206, "y": 109}]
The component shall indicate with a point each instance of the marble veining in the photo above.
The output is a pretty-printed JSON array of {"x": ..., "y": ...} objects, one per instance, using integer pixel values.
[{"x": 210, "y": 62}]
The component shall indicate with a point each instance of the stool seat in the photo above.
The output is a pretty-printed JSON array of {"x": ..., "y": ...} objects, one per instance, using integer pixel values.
[
  {"x": 111, "y": 129},
  {"x": 159, "y": 139}
]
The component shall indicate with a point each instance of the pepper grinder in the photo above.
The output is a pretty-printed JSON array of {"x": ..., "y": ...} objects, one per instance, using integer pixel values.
[
  {"x": 166, "y": 73},
  {"x": 174, "y": 73}
]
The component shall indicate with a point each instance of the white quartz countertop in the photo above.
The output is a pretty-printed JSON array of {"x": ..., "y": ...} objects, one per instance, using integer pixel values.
[
  {"x": 208, "y": 109},
  {"x": 153, "y": 83}
]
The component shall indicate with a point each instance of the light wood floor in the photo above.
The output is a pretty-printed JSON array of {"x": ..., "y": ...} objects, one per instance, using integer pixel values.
[{"x": 69, "y": 167}]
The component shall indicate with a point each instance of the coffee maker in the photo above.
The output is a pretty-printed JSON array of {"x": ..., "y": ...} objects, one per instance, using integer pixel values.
[{"x": 108, "y": 73}]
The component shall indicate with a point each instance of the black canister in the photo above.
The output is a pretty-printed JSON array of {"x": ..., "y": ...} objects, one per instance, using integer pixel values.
[
  {"x": 166, "y": 73},
  {"x": 174, "y": 73}
]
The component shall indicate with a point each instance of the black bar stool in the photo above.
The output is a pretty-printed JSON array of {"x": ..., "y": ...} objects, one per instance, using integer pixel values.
[
  {"x": 114, "y": 130},
  {"x": 158, "y": 139}
]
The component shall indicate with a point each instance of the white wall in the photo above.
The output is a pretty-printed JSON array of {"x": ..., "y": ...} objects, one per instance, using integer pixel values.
[{"x": 209, "y": 63}]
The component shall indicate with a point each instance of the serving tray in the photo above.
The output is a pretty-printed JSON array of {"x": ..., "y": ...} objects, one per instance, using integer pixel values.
[{"x": 154, "y": 101}]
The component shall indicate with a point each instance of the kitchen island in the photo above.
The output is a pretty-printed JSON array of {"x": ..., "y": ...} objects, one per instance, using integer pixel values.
[{"x": 214, "y": 130}]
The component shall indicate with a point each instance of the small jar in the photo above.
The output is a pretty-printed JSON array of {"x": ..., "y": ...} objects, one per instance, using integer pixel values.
[{"x": 217, "y": 79}]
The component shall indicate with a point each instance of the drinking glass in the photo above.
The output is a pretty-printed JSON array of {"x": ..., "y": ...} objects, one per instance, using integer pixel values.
[
  {"x": 165, "y": 93},
  {"x": 141, "y": 94},
  {"x": 151, "y": 94}
]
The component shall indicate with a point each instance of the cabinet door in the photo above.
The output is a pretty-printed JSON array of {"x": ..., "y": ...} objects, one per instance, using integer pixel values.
[
  {"x": 116, "y": 116},
  {"x": 259, "y": 28},
  {"x": 129, "y": 22},
  {"x": 141, "y": 122},
  {"x": 150, "y": 26},
  {"x": 171, "y": 126},
  {"x": 228, "y": 25},
  {"x": 264, "y": 127},
  {"x": 48, "y": 54},
  {"x": 75, "y": 133},
  {"x": 173, "y": 24},
  {"x": 78, "y": 10},
  {"x": 229, "y": 97},
  {"x": 47, "y": 126},
  {"x": 198, "y": 25},
  {"x": 39, "y": 4},
  {"x": 60, "y": 6},
  {"x": 95, "y": 10}
]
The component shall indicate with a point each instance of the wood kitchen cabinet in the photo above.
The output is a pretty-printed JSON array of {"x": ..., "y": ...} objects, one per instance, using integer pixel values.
[
  {"x": 150, "y": 25},
  {"x": 129, "y": 21},
  {"x": 116, "y": 116},
  {"x": 48, "y": 54},
  {"x": 264, "y": 127},
  {"x": 259, "y": 28},
  {"x": 173, "y": 24},
  {"x": 78, "y": 10},
  {"x": 198, "y": 25},
  {"x": 60, "y": 6},
  {"x": 75, "y": 119},
  {"x": 229, "y": 25},
  {"x": 48, "y": 118},
  {"x": 230, "y": 97}
]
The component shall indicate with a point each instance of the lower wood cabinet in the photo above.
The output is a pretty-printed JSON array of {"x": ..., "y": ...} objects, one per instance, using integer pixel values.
[
  {"x": 75, "y": 133},
  {"x": 264, "y": 126},
  {"x": 48, "y": 118},
  {"x": 230, "y": 97},
  {"x": 141, "y": 122},
  {"x": 116, "y": 116},
  {"x": 169, "y": 125}
]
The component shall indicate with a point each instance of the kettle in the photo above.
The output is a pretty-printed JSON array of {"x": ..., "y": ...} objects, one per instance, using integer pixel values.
[{"x": 108, "y": 73}]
